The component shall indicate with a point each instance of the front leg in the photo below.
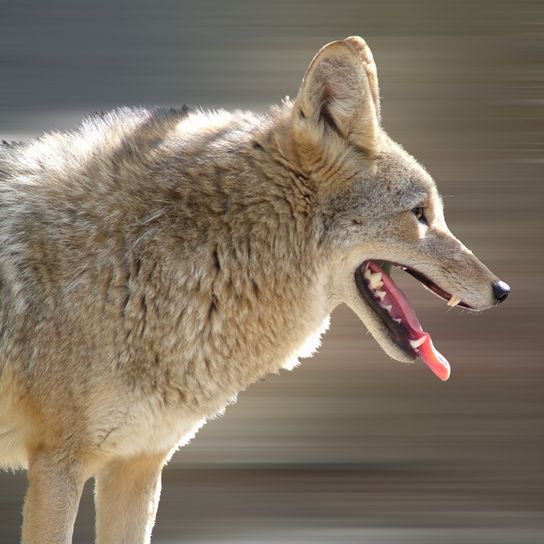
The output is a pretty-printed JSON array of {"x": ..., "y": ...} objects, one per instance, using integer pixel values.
[
  {"x": 126, "y": 499},
  {"x": 55, "y": 485}
]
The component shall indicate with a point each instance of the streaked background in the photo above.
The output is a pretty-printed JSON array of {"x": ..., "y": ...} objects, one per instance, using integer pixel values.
[{"x": 350, "y": 447}]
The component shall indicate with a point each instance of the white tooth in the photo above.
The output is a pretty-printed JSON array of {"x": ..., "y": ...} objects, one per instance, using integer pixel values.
[
  {"x": 388, "y": 307},
  {"x": 380, "y": 284},
  {"x": 416, "y": 343},
  {"x": 374, "y": 279},
  {"x": 397, "y": 319},
  {"x": 454, "y": 301},
  {"x": 380, "y": 294},
  {"x": 368, "y": 274}
]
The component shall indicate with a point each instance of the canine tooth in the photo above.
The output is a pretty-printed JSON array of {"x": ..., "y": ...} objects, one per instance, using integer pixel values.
[
  {"x": 375, "y": 279},
  {"x": 380, "y": 294},
  {"x": 454, "y": 301},
  {"x": 416, "y": 343},
  {"x": 388, "y": 307},
  {"x": 397, "y": 319}
]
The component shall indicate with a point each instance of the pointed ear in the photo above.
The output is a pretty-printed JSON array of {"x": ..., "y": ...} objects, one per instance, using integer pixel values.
[{"x": 340, "y": 91}]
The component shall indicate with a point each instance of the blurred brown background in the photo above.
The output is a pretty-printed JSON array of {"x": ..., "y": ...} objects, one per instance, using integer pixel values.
[{"x": 351, "y": 447}]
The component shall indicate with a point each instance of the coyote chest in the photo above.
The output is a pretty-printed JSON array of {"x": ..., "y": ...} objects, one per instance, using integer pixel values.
[{"x": 170, "y": 417}]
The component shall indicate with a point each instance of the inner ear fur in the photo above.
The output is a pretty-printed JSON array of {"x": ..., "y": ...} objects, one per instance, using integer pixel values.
[{"x": 340, "y": 92}]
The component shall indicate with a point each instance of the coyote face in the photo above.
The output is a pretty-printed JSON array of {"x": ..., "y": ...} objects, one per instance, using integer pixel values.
[{"x": 379, "y": 208}]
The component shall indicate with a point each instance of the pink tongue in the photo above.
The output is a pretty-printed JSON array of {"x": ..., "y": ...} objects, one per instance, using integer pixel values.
[
  {"x": 402, "y": 309},
  {"x": 433, "y": 358}
]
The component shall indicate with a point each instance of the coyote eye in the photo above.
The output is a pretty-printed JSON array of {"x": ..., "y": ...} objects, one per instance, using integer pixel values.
[{"x": 419, "y": 212}]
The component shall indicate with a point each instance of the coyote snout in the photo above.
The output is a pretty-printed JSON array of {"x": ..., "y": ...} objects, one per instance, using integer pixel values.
[{"x": 153, "y": 264}]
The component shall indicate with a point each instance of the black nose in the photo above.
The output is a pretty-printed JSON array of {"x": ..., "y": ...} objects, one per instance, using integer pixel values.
[{"x": 501, "y": 290}]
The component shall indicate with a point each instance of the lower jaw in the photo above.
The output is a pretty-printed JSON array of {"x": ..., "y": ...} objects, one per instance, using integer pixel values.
[
  {"x": 398, "y": 317},
  {"x": 397, "y": 332}
]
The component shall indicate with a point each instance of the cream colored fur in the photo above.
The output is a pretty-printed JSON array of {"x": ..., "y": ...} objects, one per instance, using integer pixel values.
[{"x": 153, "y": 264}]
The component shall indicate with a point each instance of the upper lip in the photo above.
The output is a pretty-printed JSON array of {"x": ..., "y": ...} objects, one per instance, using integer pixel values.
[{"x": 429, "y": 284}]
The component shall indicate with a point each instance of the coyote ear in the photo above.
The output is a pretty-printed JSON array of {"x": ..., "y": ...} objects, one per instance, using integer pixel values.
[{"x": 340, "y": 89}]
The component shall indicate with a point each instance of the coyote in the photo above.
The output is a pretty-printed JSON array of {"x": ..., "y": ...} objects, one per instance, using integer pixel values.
[{"x": 153, "y": 264}]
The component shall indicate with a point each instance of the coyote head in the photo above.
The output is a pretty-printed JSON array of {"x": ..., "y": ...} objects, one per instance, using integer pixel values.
[{"x": 378, "y": 207}]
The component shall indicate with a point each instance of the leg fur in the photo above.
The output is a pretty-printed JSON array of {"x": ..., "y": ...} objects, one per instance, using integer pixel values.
[
  {"x": 126, "y": 499},
  {"x": 52, "y": 500}
]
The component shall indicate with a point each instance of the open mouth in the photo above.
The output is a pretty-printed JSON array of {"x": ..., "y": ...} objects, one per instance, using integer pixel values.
[{"x": 391, "y": 305}]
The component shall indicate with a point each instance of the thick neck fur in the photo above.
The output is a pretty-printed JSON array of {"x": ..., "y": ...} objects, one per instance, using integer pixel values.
[{"x": 184, "y": 250}]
